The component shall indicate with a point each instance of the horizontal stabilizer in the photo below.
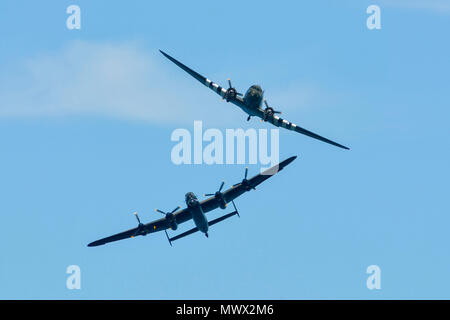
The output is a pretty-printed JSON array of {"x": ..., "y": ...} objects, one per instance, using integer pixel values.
[
  {"x": 213, "y": 222},
  {"x": 193, "y": 230}
]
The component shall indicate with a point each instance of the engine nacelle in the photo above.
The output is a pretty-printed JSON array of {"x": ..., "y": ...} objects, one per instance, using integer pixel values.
[
  {"x": 219, "y": 197},
  {"x": 268, "y": 112},
  {"x": 172, "y": 221},
  {"x": 230, "y": 94},
  {"x": 173, "y": 225},
  {"x": 223, "y": 204}
]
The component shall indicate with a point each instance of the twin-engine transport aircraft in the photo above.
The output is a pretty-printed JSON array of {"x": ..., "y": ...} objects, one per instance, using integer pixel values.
[
  {"x": 196, "y": 210},
  {"x": 251, "y": 103}
]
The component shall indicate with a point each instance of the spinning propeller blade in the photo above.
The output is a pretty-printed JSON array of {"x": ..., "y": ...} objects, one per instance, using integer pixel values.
[
  {"x": 137, "y": 217},
  {"x": 178, "y": 207},
  {"x": 245, "y": 182},
  {"x": 230, "y": 86},
  {"x": 213, "y": 194},
  {"x": 245, "y": 177},
  {"x": 267, "y": 106},
  {"x": 166, "y": 213}
]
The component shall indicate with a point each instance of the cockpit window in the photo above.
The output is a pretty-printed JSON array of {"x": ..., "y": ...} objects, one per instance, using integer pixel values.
[{"x": 256, "y": 87}]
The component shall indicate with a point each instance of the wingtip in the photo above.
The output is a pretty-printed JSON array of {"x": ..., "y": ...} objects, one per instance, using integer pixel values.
[
  {"x": 163, "y": 53},
  {"x": 95, "y": 244},
  {"x": 288, "y": 161},
  {"x": 341, "y": 146}
]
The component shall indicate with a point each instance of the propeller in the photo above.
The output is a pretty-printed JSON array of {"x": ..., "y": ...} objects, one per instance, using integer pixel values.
[
  {"x": 269, "y": 111},
  {"x": 169, "y": 215},
  {"x": 267, "y": 107},
  {"x": 231, "y": 87},
  {"x": 141, "y": 226},
  {"x": 171, "y": 218},
  {"x": 137, "y": 217},
  {"x": 245, "y": 182},
  {"x": 231, "y": 92},
  {"x": 217, "y": 192},
  {"x": 219, "y": 196}
]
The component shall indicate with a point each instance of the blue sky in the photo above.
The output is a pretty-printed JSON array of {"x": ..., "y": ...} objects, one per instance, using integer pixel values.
[{"x": 85, "y": 123}]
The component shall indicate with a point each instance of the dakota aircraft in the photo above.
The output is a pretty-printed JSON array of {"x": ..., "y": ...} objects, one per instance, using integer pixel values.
[
  {"x": 196, "y": 210},
  {"x": 251, "y": 103}
]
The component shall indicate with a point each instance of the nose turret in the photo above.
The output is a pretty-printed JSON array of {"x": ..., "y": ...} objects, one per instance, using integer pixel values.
[{"x": 191, "y": 199}]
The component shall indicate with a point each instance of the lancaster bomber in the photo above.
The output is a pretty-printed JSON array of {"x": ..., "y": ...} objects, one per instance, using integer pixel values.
[
  {"x": 195, "y": 210},
  {"x": 251, "y": 103}
]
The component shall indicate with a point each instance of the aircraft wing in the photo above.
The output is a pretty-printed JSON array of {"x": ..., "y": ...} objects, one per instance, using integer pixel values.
[
  {"x": 116, "y": 237},
  {"x": 279, "y": 122},
  {"x": 237, "y": 190},
  {"x": 151, "y": 227},
  {"x": 205, "y": 81}
]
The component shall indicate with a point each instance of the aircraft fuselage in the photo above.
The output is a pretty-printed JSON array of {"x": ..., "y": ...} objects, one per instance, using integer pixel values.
[
  {"x": 253, "y": 99},
  {"x": 197, "y": 213}
]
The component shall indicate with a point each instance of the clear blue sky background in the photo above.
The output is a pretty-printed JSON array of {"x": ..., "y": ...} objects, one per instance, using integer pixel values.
[{"x": 76, "y": 157}]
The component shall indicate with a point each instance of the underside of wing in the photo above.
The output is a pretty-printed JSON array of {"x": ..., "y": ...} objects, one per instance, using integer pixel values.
[
  {"x": 119, "y": 236},
  {"x": 279, "y": 122},
  {"x": 316, "y": 136},
  {"x": 141, "y": 230},
  {"x": 212, "y": 85},
  {"x": 196, "y": 75},
  {"x": 144, "y": 229},
  {"x": 183, "y": 215},
  {"x": 247, "y": 185},
  {"x": 244, "y": 186}
]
